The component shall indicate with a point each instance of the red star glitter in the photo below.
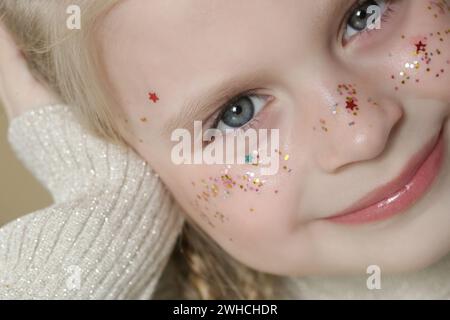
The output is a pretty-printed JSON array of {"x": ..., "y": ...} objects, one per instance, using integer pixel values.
[
  {"x": 420, "y": 47},
  {"x": 351, "y": 104},
  {"x": 153, "y": 97}
]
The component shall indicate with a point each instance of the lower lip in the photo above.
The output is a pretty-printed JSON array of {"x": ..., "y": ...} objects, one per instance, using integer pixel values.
[{"x": 403, "y": 199}]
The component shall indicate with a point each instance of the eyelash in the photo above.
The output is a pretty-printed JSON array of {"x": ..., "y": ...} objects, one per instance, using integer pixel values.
[{"x": 252, "y": 93}]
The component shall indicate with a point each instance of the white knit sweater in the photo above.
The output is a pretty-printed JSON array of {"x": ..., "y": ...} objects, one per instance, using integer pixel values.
[
  {"x": 113, "y": 225},
  {"x": 111, "y": 228}
]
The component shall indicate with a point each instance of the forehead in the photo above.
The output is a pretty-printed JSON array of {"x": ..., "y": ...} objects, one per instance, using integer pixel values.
[{"x": 190, "y": 42}]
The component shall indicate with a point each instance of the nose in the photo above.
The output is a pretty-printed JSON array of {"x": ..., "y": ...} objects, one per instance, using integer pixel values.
[{"x": 351, "y": 123}]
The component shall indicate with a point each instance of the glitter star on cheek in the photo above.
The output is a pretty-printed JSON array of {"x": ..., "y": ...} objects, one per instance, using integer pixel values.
[
  {"x": 420, "y": 47},
  {"x": 351, "y": 104},
  {"x": 153, "y": 97}
]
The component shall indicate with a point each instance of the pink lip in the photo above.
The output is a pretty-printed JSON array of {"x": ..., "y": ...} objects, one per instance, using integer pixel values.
[{"x": 399, "y": 194}]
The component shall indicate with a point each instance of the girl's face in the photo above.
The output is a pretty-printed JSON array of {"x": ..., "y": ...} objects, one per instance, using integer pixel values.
[{"x": 362, "y": 115}]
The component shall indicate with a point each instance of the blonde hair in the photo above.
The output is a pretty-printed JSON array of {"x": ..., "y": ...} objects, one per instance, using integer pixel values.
[{"x": 68, "y": 61}]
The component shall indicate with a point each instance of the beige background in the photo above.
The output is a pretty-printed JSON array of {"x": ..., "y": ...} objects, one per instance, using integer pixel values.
[{"x": 20, "y": 193}]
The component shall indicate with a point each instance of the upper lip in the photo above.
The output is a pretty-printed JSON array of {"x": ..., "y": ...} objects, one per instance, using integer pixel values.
[{"x": 387, "y": 190}]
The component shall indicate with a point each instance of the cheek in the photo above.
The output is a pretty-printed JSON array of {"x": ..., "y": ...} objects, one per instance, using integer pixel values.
[
  {"x": 420, "y": 61},
  {"x": 236, "y": 205}
]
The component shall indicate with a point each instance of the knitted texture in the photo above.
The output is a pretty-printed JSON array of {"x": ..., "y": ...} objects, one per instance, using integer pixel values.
[{"x": 111, "y": 228}]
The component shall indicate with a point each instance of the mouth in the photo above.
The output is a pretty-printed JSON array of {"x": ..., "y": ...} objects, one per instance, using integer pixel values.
[{"x": 401, "y": 193}]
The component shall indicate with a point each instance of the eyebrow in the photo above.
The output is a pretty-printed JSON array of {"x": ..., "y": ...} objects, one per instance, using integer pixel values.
[{"x": 212, "y": 98}]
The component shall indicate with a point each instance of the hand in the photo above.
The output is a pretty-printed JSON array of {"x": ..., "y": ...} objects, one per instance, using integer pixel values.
[{"x": 20, "y": 91}]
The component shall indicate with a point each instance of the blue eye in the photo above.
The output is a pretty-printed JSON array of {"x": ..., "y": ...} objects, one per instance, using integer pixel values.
[
  {"x": 239, "y": 113},
  {"x": 358, "y": 20}
]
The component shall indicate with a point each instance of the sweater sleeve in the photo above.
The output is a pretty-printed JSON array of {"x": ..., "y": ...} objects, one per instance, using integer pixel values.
[{"x": 111, "y": 228}]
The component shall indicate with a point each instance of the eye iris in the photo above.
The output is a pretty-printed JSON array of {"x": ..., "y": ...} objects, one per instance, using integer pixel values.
[
  {"x": 239, "y": 114},
  {"x": 358, "y": 20}
]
